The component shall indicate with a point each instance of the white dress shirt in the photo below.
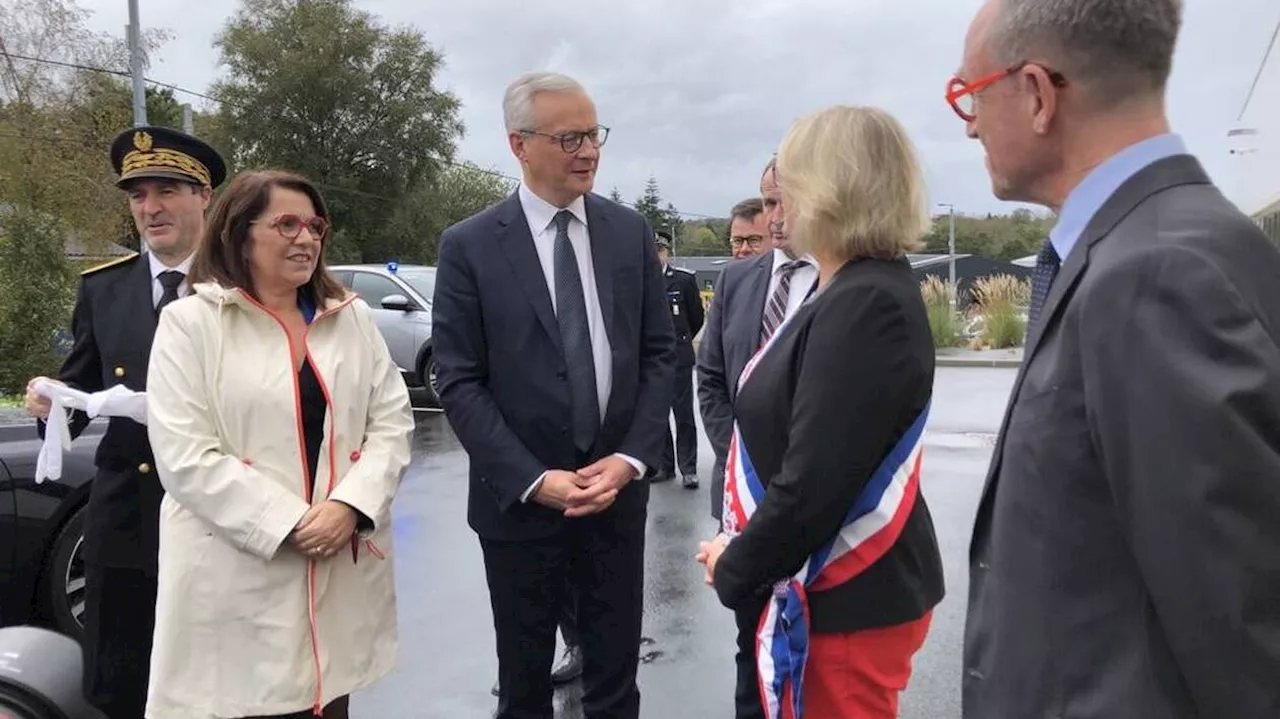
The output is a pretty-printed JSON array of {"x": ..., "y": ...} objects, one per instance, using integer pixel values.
[
  {"x": 802, "y": 280},
  {"x": 157, "y": 267},
  {"x": 541, "y": 216}
]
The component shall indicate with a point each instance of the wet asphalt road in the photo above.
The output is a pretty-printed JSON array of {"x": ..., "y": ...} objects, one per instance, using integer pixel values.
[{"x": 447, "y": 661}]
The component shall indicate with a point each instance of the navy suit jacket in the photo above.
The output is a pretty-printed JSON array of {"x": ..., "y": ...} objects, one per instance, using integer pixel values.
[
  {"x": 731, "y": 338},
  {"x": 501, "y": 370}
]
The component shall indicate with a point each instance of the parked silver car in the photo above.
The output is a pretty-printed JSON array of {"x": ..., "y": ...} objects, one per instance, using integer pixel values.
[{"x": 400, "y": 296}]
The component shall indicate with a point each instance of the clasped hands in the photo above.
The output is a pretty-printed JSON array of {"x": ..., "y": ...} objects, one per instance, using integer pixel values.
[
  {"x": 325, "y": 529},
  {"x": 587, "y": 491},
  {"x": 708, "y": 554}
]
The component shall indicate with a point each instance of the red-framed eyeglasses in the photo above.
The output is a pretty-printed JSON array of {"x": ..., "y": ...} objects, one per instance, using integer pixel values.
[
  {"x": 961, "y": 95},
  {"x": 290, "y": 226}
]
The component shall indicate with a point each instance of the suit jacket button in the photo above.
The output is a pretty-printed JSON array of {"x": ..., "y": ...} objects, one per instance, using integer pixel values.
[
  {"x": 119, "y": 371},
  {"x": 144, "y": 468}
]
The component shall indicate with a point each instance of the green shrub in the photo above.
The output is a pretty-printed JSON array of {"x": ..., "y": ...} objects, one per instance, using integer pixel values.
[
  {"x": 36, "y": 295},
  {"x": 1001, "y": 298},
  {"x": 944, "y": 322}
]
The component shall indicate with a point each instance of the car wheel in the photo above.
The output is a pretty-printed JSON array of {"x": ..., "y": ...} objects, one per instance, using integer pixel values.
[
  {"x": 429, "y": 381},
  {"x": 65, "y": 578}
]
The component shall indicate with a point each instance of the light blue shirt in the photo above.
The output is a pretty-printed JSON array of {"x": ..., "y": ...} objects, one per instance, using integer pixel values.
[{"x": 1100, "y": 184}]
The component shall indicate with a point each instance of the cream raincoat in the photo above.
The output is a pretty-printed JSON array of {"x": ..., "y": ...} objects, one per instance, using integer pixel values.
[{"x": 245, "y": 624}]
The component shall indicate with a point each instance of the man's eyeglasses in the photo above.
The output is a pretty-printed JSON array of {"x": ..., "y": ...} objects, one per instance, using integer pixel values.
[
  {"x": 572, "y": 141},
  {"x": 290, "y": 226},
  {"x": 755, "y": 242},
  {"x": 962, "y": 96}
]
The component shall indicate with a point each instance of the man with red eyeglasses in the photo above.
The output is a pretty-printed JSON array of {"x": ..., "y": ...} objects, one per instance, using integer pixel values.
[
  {"x": 169, "y": 178},
  {"x": 1125, "y": 559}
]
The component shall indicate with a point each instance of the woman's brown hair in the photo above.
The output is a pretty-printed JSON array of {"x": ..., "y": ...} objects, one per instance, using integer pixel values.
[{"x": 223, "y": 255}]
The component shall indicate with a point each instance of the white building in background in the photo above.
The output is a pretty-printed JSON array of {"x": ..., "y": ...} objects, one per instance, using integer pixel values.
[{"x": 1256, "y": 146}]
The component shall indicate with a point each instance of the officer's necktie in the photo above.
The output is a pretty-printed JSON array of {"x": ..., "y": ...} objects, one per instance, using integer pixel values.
[
  {"x": 776, "y": 310},
  {"x": 169, "y": 280},
  {"x": 1047, "y": 263},
  {"x": 571, "y": 314}
]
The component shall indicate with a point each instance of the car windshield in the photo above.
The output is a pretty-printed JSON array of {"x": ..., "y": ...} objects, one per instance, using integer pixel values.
[{"x": 421, "y": 279}]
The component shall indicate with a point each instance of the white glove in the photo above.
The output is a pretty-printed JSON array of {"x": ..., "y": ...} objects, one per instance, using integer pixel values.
[{"x": 118, "y": 401}]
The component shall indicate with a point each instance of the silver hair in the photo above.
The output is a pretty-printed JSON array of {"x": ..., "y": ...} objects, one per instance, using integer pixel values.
[
  {"x": 517, "y": 103},
  {"x": 1115, "y": 49}
]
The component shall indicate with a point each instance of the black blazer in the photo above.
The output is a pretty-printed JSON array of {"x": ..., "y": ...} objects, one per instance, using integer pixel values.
[
  {"x": 114, "y": 322},
  {"x": 819, "y": 413},
  {"x": 501, "y": 369}
]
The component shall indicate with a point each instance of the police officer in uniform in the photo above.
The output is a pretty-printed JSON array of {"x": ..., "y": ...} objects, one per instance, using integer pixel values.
[
  {"x": 169, "y": 178},
  {"x": 687, "y": 316}
]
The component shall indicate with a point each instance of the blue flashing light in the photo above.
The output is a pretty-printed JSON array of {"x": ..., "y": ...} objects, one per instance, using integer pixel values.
[{"x": 392, "y": 266}]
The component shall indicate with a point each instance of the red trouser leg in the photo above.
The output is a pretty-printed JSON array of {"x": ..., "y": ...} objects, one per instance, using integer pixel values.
[{"x": 858, "y": 675}]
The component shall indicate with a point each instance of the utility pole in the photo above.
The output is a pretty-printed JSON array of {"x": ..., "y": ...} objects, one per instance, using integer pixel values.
[
  {"x": 951, "y": 249},
  {"x": 134, "y": 33},
  {"x": 188, "y": 124}
]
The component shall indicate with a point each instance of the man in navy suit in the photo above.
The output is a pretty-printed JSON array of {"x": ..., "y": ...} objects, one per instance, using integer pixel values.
[
  {"x": 555, "y": 356},
  {"x": 740, "y": 317}
]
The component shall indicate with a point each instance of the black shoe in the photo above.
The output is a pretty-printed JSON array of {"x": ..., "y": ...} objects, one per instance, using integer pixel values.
[
  {"x": 691, "y": 481},
  {"x": 570, "y": 666},
  {"x": 663, "y": 476}
]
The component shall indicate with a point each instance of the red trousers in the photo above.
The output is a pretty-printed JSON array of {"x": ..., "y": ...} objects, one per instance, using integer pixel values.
[{"x": 859, "y": 675}]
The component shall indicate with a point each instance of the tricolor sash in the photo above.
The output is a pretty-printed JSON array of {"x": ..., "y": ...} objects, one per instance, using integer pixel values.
[{"x": 872, "y": 525}]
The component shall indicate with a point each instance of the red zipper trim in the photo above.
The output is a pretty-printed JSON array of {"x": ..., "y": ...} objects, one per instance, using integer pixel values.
[{"x": 317, "y": 708}]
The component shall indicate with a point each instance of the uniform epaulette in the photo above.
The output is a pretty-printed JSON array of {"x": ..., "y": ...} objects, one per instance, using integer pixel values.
[
  {"x": 681, "y": 269},
  {"x": 109, "y": 263}
]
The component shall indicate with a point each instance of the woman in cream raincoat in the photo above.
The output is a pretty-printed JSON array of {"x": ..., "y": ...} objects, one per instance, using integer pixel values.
[{"x": 281, "y": 429}]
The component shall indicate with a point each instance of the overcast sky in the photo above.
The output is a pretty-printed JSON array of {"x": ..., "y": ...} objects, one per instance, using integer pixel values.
[{"x": 699, "y": 92}]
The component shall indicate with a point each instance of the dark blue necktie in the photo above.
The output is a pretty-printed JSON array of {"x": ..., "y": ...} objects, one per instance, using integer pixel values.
[
  {"x": 571, "y": 315},
  {"x": 169, "y": 281},
  {"x": 1047, "y": 263}
]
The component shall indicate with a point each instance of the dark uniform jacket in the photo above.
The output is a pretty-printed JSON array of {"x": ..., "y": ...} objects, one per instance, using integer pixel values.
[
  {"x": 687, "y": 315},
  {"x": 114, "y": 323}
]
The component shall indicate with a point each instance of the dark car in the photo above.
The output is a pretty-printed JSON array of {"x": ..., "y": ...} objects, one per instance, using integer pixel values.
[{"x": 41, "y": 530}]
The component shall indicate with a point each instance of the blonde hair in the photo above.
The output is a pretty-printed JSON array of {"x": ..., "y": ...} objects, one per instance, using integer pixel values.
[{"x": 851, "y": 184}]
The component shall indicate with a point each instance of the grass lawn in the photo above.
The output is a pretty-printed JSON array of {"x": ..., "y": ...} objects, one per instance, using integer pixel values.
[{"x": 10, "y": 401}]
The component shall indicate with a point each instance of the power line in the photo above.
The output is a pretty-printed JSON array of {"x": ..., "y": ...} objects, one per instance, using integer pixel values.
[
  {"x": 118, "y": 73},
  {"x": 176, "y": 88},
  {"x": 1261, "y": 67}
]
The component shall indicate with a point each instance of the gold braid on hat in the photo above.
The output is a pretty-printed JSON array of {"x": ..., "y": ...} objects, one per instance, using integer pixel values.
[{"x": 146, "y": 157}]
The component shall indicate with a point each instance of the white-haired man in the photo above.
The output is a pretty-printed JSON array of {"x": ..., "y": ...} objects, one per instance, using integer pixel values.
[{"x": 555, "y": 356}]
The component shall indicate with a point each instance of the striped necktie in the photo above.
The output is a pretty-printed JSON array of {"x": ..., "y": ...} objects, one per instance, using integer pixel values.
[{"x": 776, "y": 310}]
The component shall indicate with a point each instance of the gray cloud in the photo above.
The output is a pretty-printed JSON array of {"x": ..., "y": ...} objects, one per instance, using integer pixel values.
[{"x": 699, "y": 93}]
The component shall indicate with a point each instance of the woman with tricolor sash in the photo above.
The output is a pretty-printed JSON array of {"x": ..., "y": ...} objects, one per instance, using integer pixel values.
[{"x": 828, "y": 556}]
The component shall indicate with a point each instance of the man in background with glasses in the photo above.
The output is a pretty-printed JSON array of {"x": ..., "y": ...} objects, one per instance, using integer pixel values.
[
  {"x": 749, "y": 229},
  {"x": 1125, "y": 559},
  {"x": 555, "y": 358},
  {"x": 750, "y": 300}
]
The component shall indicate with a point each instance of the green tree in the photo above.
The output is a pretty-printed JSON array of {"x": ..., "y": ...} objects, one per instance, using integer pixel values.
[
  {"x": 663, "y": 216},
  {"x": 35, "y": 294},
  {"x": 700, "y": 240},
  {"x": 324, "y": 89},
  {"x": 615, "y": 195},
  {"x": 56, "y": 186},
  {"x": 460, "y": 192},
  {"x": 999, "y": 237}
]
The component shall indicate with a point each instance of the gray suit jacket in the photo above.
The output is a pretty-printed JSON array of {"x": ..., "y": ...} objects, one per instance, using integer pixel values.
[
  {"x": 731, "y": 337},
  {"x": 1126, "y": 554}
]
